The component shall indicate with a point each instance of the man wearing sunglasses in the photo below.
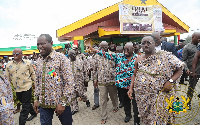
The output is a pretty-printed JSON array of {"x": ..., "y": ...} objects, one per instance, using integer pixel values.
[{"x": 21, "y": 74}]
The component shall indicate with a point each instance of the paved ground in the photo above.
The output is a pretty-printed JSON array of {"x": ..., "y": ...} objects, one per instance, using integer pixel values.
[{"x": 87, "y": 116}]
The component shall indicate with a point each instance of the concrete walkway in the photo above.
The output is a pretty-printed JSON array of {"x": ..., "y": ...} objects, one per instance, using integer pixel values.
[{"x": 87, "y": 116}]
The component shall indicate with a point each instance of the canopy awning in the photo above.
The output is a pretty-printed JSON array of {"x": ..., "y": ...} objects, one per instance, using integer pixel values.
[
  {"x": 91, "y": 26},
  {"x": 27, "y": 50}
]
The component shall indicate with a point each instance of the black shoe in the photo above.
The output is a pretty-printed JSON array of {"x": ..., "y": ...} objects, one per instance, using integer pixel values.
[
  {"x": 74, "y": 112},
  {"x": 88, "y": 103},
  {"x": 137, "y": 121},
  {"x": 136, "y": 124},
  {"x": 95, "y": 106},
  {"x": 183, "y": 83},
  {"x": 120, "y": 105},
  {"x": 31, "y": 117},
  {"x": 127, "y": 118},
  {"x": 199, "y": 95},
  {"x": 189, "y": 105}
]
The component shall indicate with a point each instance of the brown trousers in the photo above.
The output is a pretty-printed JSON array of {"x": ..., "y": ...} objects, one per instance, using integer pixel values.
[{"x": 104, "y": 90}]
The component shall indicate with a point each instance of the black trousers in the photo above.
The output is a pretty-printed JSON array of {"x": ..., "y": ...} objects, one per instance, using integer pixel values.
[
  {"x": 192, "y": 83},
  {"x": 119, "y": 94},
  {"x": 184, "y": 75},
  {"x": 127, "y": 105},
  {"x": 25, "y": 98}
]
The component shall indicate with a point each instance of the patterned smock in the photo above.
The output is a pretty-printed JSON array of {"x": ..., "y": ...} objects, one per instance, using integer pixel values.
[
  {"x": 54, "y": 80},
  {"x": 104, "y": 71},
  {"x": 80, "y": 72},
  {"x": 152, "y": 73},
  {"x": 6, "y": 101}
]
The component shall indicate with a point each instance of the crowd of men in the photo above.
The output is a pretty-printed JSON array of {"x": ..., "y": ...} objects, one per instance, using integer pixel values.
[{"x": 132, "y": 75}]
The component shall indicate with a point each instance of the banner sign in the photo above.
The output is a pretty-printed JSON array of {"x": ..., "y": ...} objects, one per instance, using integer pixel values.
[{"x": 140, "y": 19}]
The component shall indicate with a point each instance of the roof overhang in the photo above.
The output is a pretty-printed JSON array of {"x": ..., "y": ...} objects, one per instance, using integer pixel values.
[{"x": 108, "y": 17}]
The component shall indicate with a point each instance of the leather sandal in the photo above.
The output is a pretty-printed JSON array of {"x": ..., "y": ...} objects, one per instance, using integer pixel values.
[
  {"x": 115, "y": 110},
  {"x": 103, "y": 121},
  {"x": 16, "y": 111}
]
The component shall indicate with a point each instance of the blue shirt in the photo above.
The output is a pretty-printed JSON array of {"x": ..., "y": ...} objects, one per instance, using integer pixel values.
[
  {"x": 124, "y": 68},
  {"x": 180, "y": 52}
]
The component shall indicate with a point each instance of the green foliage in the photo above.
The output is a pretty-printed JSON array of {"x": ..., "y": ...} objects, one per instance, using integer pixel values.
[{"x": 188, "y": 39}]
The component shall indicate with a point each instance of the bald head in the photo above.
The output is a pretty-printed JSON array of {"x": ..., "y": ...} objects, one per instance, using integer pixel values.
[
  {"x": 130, "y": 44},
  {"x": 71, "y": 52},
  {"x": 128, "y": 49},
  {"x": 196, "y": 38},
  {"x": 72, "y": 55},
  {"x": 157, "y": 37},
  {"x": 119, "y": 49},
  {"x": 196, "y": 34},
  {"x": 148, "y": 44},
  {"x": 103, "y": 43},
  {"x": 17, "y": 54},
  {"x": 104, "y": 46},
  {"x": 18, "y": 50}
]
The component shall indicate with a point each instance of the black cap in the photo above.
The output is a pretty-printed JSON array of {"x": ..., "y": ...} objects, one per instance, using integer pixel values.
[{"x": 181, "y": 40}]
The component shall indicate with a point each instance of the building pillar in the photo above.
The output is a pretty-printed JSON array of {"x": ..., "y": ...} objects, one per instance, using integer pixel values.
[
  {"x": 175, "y": 40},
  {"x": 81, "y": 45},
  {"x": 178, "y": 39},
  {"x": 76, "y": 42}
]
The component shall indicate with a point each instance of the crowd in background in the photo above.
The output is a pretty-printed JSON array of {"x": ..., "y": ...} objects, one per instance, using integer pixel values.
[{"x": 132, "y": 75}]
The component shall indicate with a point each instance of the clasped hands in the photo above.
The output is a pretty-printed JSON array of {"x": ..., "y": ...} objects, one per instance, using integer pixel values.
[{"x": 59, "y": 108}]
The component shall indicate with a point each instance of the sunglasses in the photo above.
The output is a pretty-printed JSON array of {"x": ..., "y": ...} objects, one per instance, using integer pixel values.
[{"x": 16, "y": 54}]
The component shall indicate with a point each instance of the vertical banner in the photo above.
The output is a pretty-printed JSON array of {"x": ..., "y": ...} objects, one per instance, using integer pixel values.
[
  {"x": 157, "y": 15},
  {"x": 140, "y": 19}
]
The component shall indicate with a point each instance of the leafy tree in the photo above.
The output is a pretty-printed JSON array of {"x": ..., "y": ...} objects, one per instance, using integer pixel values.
[{"x": 188, "y": 39}]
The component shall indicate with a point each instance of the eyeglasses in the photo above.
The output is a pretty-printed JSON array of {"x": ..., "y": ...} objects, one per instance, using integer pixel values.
[
  {"x": 16, "y": 54},
  {"x": 146, "y": 42}
]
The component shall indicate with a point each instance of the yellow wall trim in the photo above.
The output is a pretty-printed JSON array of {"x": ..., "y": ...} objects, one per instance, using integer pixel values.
[
  {"x": 103, "y": 32},
  {"x": 176, "y": 33},
  {"x": 170, "y": 31},
  {"x": 77, "y": 38}
]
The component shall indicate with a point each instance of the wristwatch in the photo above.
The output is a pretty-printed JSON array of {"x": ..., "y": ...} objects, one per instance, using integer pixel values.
[{"x": 171, "y": 81}]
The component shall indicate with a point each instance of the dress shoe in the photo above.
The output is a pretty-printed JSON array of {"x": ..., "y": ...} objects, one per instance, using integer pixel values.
[
  {"x": 127, "y": 118},
  {"x": 120, "y": 105},
  {"x": 95, "y": 106},
  {"x": 199, "y": 95},
  {"x": 136, "y": 124},
  {"x": 88, "y": 103},
  {"x": 189, "y": 105},
  {"x": 31, "y": 117},
  {"x": 186, "y": 79},
  {"x": 74, "y": 112}
]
